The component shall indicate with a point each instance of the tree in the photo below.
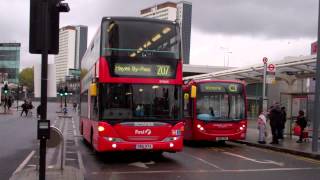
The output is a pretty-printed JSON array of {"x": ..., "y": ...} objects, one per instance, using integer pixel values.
[{"x": 26, "y": 78}]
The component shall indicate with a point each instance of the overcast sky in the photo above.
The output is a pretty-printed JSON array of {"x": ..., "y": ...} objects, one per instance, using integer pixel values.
[{"x": 242, "y": 31}]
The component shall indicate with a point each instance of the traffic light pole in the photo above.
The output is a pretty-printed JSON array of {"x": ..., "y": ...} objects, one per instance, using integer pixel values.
[{"x": 44, "y": 78}]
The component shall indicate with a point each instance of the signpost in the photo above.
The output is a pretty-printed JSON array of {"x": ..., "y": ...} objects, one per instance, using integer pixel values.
[
  {"x": 264, "y": 98},
  {"x": 316, "y": 116},
  {"x": 271, "y": 74},
  {"x": 44, "y": 40}
]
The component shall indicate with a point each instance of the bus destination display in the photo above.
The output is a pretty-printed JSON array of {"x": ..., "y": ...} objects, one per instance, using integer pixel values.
[
  {"x": 221, "y": 87},
  {"x": 143, "y": 70}
]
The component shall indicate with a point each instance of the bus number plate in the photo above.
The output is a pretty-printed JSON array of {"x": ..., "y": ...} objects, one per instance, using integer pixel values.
[
  {"x": 144, "y": 146},
  {"x": 221, "y": 138}
]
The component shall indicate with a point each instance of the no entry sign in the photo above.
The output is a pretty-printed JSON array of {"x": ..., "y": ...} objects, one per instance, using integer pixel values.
[{"x": 271, "y": 68}]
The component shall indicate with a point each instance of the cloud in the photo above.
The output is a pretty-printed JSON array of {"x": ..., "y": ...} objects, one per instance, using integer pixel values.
[
  {"x": 257, "y": 19},
  {"x": 268, "y": 18}
]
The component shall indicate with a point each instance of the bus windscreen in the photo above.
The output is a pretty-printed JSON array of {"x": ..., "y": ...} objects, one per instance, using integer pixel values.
[
  {"x": 220, "y": 102},
  {"x": 140, "y": 39},
  {"x": 140, "y": 102}
]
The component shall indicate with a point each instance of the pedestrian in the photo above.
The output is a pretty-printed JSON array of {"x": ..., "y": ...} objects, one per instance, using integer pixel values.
[
  {"x": 9, "y": 102},
  {"x": 75, "y": 106},
  {"x": 282, "y": 122},
  {"x": 262, "y": 127},
  {"x": 302, "y": 122},
  {"x": 275, "y": 122},
  {"x": 25, "y": 108},
  {"x": 30, "y": 107},
  {"x": 38, "y": 111}
]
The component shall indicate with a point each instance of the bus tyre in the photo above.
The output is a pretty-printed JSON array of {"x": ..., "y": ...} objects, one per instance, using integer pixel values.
[{"x": 221, "y": 143}]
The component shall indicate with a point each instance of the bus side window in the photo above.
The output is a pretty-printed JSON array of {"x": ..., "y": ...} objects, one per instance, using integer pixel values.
[{"x": 187, "y": 108}]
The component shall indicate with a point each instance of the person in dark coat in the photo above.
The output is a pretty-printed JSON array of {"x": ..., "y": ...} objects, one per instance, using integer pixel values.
[
  {"x": 275, "y": 123},
  {"x": 282, "y": 123},
  {"x": 25, "y": 108},
  {"x": 39, "y": 110},
  {"x": 302, "y": 122}
]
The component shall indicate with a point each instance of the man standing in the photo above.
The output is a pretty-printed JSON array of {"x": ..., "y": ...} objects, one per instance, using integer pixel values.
[
  {"x": 283, "y": 122},
  {"x": 275, "y": 122}
]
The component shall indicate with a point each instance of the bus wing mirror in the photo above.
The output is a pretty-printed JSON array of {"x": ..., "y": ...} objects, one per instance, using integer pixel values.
[
  {"x": 193, "y": 91},
  {"x": 93, "y": 89}
]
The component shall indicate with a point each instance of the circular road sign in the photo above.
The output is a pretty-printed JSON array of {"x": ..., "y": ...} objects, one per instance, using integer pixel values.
[
  {"x": 55, "y": 137},
  {"x": 271, "y": 67},
  {"x": 265, "y": 60}
]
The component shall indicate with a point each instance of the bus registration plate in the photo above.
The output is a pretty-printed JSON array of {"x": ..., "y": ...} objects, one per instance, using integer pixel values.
[
  {"x": 221, "y": 138},
  {"x": 144, "y": 146}
]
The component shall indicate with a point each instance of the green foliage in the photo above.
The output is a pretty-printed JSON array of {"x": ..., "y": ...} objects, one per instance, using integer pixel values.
[{"x": 26, "y": 78}]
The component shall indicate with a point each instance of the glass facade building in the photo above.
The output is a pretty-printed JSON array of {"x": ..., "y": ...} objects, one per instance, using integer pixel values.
[{"x": 9, "y": 62}]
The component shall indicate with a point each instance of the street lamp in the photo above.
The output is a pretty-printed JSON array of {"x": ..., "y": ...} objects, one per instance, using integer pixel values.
[{"x": 229, "y": 52}]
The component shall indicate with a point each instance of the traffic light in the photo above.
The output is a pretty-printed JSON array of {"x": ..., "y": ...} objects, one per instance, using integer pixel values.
[
  {"x": 5, "y": 89},
  {"x": 38, "y": 22},
  {"x": 61, "y": 92},
  {"x": 66, "y": 90}
]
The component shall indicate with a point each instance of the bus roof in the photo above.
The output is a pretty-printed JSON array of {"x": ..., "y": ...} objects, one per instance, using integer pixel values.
[
  {"x": 124, "y": 18},
  {"x": 193, "y": 82}
]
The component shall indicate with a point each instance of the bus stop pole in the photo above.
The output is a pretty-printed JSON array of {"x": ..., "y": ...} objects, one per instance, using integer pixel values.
[
  {"x": 316, "y": 114},
  {"x": 264, "y": 98},
  {"x": 43, "y": 101}
]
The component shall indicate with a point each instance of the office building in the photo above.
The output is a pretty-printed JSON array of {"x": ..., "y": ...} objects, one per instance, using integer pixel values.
[
  {"x": 180, "y": 12},
  {"x": 9, "y": 62},
  {"x": 72, "y": 46}
]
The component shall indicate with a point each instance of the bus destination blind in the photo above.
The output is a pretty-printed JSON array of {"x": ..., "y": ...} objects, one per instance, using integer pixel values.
[{"x": 143, "y": 70}]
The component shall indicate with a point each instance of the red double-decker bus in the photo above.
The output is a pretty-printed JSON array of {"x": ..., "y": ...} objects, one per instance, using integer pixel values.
[
  {"x": 131, "y": 84},
  {"x": 215, "y": 110}
]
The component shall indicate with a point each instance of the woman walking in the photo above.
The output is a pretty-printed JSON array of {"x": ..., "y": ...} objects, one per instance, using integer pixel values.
[{"x": 262, "y": 127}]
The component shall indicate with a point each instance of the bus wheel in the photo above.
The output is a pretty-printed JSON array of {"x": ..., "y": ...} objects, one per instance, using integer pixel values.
[
  {"x": 91, "y": 139},
  {"x": 81, "y": 129},
  {"x": 222, "y": 143}
]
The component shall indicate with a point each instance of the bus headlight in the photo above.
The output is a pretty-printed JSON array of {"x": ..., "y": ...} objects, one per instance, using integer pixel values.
[
  {"x": 200, "y": 127},
  {"x": 112, "y": 139},
  {"x": 170, "y": 139}
]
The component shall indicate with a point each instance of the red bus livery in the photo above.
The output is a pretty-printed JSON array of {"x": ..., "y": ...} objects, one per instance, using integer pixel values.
[
  {"x": 131, "y": 86},
  {"x": 215, "y": 110}
]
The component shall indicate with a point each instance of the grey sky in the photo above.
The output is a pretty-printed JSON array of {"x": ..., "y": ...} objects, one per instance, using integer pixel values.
[{"x": 270, "y": 19}]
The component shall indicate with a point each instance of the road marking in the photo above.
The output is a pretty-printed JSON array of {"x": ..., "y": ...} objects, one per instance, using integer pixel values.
[
  {"x": 301, "y": 158},
  {"x": 205, "y": 171},
  {"x": 71, "y": 152},
  {"x": 202, "y": 160},
  {"x": 70, "y": 159},
  {"x": 80, "y": 161},
  {"x": 24, "y": 163},
  {"x": 142, "y": 164},
  {"x": 254, "y": 160}
]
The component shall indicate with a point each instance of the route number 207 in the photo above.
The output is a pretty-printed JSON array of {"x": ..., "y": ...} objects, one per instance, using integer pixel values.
[{"x": 163, "y": 70}]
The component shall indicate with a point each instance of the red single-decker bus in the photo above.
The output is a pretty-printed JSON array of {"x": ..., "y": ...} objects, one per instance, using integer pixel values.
[{"x": 215, "y": 110}]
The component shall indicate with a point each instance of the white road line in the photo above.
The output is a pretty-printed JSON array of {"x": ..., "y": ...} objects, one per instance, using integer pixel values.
[
  {"x": 24, "y": 163},
  {"x": 254, "y": 160},
  {"x": 80, "y": 161},
  {"x": 70, "y": 159},
  {"x": 203, "y": 161},
  {"x": 208, "y": 171},
  {"x": 71, "y": 152}
]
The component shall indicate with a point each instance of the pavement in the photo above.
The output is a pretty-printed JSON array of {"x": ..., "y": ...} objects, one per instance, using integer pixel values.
[
  {"x": 68, "y": 173},
  {"x": 28, "y": 169},
  {"x": 287, "y": 145}
]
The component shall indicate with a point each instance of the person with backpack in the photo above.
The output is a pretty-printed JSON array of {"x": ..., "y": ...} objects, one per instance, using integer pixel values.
[{"x": 302, "y": 122}]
